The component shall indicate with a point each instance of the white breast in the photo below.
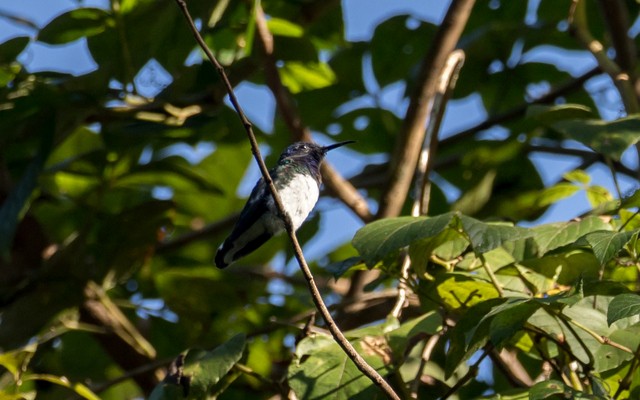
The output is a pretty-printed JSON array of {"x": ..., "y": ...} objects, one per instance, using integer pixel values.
[{"x": 299, "y": 197}]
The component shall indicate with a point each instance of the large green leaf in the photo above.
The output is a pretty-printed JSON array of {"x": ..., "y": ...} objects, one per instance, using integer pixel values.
[
  {"x": 606, "y": 244},
  {"x": 72, "y": 25},
  {"x": 321, "y": 369},
  {"x": 610, "y": 138},
  {"x": 201, "y": 372},
  {"x": 376, "y": 240},
  {"x": 487, "y": 236},
  {"x": 623, "y": 306},
  {"x": 207, "y": 368},
  {"x": 552, "y": 236}
]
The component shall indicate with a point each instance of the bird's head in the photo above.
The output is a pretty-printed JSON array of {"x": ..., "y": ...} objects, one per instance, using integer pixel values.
[{"x": 307, "y": 151}]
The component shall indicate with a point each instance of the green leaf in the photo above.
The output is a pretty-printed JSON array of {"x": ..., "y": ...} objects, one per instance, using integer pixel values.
[
  {"x": 10, "y": 49},
  {"x": 548, "y": 114},
  {"x": 429, "y": 323},
  {"x": 552, "y": 236},
  {"x": 509, "y": 319},
  {"x": 282, "y": 27},
  {"x": 16, "y": 361},
  {"x": 606, "y": 244},
  {"x": 609, "y": 357},
  {"x": 598, "y": 196},
  {"x": 610, "y": 138},
  {"x": 577, "y": 176},
  {"x": 469, "y": 335},
  {"x": 377, "y": 239},
  {"x": 487, "y": 236},
  {"x": 322, "y": 370},
  {"x": 72, "y": 25},
  {"x": 298, "y": 76},
  {"x": 207, "y": 368},
  {"x": 623, "y": 306},
  {"x": 475, "y": 198},
  {"x": 459, "y": 291},
  {"x": 543, "y": 390},
  {"x": 555, "y": 193}
]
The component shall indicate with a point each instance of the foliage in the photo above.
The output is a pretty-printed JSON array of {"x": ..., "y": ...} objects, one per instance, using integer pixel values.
[{"x": 117, "y": 186}]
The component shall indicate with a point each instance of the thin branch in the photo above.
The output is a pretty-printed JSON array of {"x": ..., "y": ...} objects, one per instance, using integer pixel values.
[
  {"x": 473, "y": 371},
  {"x": 335, "y": 183},
  {"x": 152, "y": 366},
  {"x": 446, "y": 84},
  {"x": 616, "y": 17},
  {"x": 350, "y": 351},
  {"x": 411, "y": 136},
  {"x": 521, "y": 109},
  {"x": 190, "y": 237},
  {"x": 429, "y": 345},
  {"x": 622, "y": 80}
]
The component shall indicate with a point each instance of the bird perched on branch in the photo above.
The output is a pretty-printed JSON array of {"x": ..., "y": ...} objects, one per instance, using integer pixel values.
[{"x": 297, "y": 178}]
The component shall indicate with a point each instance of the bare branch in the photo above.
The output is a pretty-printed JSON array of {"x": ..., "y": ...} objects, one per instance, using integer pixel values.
[
  {"x": 446, "y": 83},
  {"x": 621, "y": 78},
  {"x": 349, "y": 350},
  {"x": 335, "y": 183},
  {"x": 411, "y": 136},
  {"x": 520, "y": 110}
]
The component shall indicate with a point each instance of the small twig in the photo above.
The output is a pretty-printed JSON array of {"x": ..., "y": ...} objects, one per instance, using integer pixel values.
[
  {"x": 190, "y": 237},
  {"x": 578, "y": 27},
  {"x": 625, "y": 382},
  {"x": 411, "y": 136},
  {"x": 473, "y": 371},
  {"x": 521, "y": 109},
  {"x": 429, "y": 345},
  {"x": 152, "y": 366},
  {"x": 335, "y": 183},
  {"x": 492, "y": 276},
  {"x": 350, "y": 351},
  {"x": 446, "y": 84}
]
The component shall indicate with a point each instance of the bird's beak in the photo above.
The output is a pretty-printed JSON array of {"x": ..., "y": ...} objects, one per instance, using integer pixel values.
[{"x": 336, "y": 145}]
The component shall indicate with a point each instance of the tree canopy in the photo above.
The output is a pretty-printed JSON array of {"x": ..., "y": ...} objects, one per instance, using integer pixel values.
[{"x": 118, "y": 184}]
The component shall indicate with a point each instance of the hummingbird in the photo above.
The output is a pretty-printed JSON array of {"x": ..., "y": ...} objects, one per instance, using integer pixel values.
[{"x": 297, "y": 178}]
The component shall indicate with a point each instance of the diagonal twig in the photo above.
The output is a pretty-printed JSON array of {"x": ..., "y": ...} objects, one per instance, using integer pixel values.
[
  {"x": 446, "y": 83},
  {"x": 342, "y": 341},
  {"x": 411, "y": 135},
  {"x": 335, "y": 183}
]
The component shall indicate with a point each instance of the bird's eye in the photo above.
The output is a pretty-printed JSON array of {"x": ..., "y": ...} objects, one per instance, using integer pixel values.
[{"x": 305, "y": 147}]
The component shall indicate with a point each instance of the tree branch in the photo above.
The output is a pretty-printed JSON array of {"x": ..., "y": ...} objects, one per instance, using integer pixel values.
[
  {"x": 411, "y": 136},
  {"x": 349, "y": 350},
  {"x": 335, "y": 183},
  {"x": 521, "y": 109}
]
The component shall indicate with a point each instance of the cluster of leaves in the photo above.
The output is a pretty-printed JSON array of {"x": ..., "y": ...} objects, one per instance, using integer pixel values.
[{"x": 113, "y": 204}]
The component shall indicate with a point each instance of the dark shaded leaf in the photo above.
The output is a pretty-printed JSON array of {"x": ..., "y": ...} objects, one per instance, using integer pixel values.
[
  {"x": 610, "y": 138},
  {"x": 10, "y": 49},
  {"x": 72, "y": 25},
  {"x": 207, "y": 368}
]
